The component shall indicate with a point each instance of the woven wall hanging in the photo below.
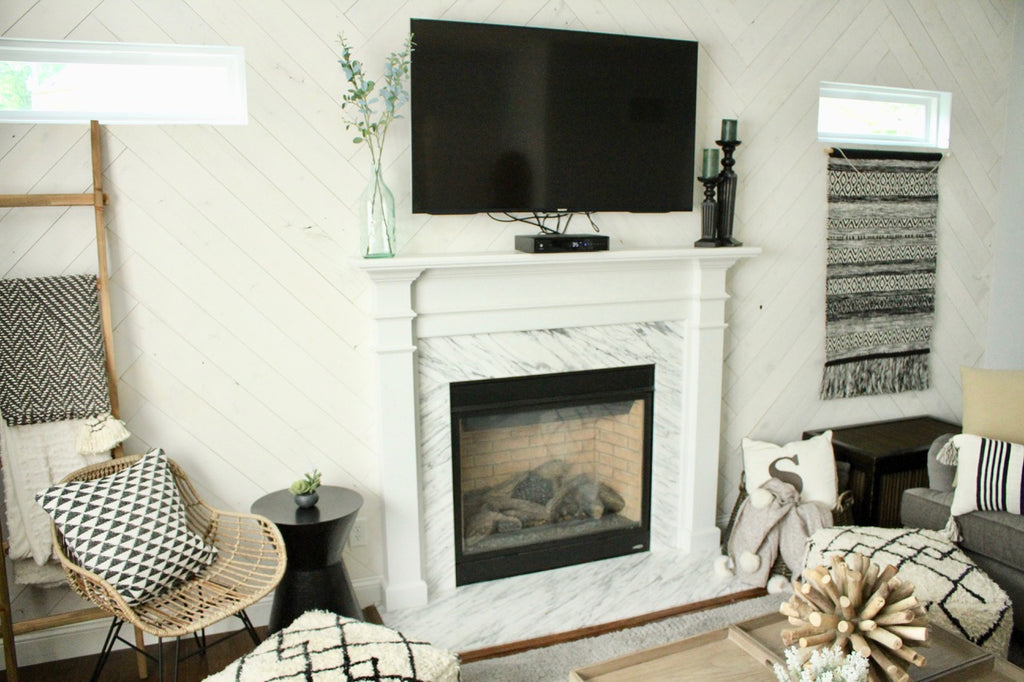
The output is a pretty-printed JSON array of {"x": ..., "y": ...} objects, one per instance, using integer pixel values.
[{"x": 880, "y": 279}]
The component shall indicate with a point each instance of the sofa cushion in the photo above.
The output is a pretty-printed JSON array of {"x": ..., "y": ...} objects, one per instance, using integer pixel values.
[
  {"x": 993, "y": 403},
  {"x": 997, "y": 535},
  {"x": 925, "y": 508}
]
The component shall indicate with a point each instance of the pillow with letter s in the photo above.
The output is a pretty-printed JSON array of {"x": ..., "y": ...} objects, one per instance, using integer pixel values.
[{"x": 809, "y": 465}]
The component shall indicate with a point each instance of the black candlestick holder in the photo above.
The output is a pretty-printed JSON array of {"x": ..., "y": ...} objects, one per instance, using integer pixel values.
[
  {"x": 709, "y": 214},
  {"x": 727, "y": 194}
]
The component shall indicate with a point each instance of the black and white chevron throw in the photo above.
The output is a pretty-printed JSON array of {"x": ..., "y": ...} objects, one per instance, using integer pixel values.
[
  {"x": 880, "y": 285},
  {"x": 51, "y": 350},
  {"x": 129, "y": 528}
]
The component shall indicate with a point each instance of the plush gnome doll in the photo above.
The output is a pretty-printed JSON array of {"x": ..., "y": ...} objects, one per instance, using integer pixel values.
[{"x": 771, "y": 521}]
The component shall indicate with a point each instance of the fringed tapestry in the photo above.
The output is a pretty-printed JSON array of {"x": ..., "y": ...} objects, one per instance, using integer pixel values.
[{"x": 880, "y": 278}]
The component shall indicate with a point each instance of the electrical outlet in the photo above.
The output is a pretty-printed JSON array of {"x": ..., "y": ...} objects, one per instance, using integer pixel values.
[{"x": 357, "y": 538}]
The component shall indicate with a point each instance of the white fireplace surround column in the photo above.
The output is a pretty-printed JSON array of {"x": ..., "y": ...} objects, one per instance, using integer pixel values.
[{"x": 450, "y": 296}]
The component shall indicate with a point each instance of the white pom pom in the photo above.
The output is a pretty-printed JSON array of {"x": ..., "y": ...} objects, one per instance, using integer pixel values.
[
  {"x": 761, "y": 498},
  {"x": 778, "y": 584},
  {"x": 749, "y": 562},
  {"x": 723, "y": 567}
]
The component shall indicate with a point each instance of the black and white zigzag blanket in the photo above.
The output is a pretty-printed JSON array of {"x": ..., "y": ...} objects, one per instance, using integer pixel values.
[
  {"x": 880, "y": 285},
  {"x": 51, "y": 350}
]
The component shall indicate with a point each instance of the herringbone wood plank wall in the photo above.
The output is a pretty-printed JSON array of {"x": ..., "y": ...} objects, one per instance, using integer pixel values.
[{"x": 242, "y": 327}]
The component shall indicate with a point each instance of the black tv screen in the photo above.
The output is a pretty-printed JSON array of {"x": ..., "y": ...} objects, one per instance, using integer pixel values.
[{"x": 513, "y": 119}]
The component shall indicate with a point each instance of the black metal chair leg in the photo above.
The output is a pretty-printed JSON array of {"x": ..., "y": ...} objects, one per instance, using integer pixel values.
[
  {"x": 108, "y": 645},
  {"x": 177, "y": 656},
  {"x": 244, "y": 617},
  {"x": 160, "y": 657}
]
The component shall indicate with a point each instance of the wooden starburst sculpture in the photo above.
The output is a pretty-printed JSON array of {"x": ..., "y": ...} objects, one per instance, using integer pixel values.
[{"x": 860, "y": 607}]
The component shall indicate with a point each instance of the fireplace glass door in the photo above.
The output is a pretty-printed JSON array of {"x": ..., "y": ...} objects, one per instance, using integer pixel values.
[{"x": 550, "y": 470}]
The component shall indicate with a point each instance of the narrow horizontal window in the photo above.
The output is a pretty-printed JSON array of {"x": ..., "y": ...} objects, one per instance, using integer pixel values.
[
  {"x": 868, "y": 114},
  {"x": 60, "y": 81}
]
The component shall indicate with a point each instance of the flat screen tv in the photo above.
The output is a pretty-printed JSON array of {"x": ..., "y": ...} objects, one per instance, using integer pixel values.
[{"x": 514, "y": 119}]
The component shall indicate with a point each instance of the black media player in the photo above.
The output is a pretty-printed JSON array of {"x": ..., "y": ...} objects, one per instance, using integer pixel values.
[{"x": 560, "y": 243}]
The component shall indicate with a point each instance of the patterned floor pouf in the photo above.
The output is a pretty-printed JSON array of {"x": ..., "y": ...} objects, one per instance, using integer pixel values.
[
  {"x": 324, "y": 646},
  {"x": 956, "y": 592}
]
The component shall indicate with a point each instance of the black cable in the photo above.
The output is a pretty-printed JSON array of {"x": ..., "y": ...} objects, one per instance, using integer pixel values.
[{"x": 541, "y": 220}]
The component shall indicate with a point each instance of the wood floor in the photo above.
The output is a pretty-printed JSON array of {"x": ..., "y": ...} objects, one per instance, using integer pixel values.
[{"x": 121, "y": 666}]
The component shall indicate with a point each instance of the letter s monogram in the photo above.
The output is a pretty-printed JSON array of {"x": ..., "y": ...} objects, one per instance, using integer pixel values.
[{"x": 790, "y": 477}]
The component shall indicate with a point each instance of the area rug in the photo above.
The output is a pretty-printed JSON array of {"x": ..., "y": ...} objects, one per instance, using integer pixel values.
[
  {"x": 880, "y": 281},
  {"x": 553, "y": 663}
]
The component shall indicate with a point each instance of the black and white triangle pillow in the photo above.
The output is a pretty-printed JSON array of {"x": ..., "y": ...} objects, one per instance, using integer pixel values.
[{"x": 129, "y": 528}]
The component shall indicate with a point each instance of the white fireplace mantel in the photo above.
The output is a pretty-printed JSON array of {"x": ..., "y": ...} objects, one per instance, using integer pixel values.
[{"x": 422, "y": 297}]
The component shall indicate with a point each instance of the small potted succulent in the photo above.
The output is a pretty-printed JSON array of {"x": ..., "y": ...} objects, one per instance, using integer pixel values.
[{"x": 304, "y": 490}]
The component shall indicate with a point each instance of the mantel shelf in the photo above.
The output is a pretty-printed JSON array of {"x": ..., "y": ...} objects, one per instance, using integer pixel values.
[{"x": 625, "y": 257}]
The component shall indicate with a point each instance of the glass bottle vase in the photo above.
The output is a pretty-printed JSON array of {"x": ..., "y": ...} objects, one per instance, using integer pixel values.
[{"x": 377, "y": 219}]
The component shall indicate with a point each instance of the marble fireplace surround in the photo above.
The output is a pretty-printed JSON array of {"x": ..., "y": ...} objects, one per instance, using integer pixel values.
[{"x": 446, "y": 318}]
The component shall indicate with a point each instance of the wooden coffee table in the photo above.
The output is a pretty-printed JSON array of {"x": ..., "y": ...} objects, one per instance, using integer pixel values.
[{"x": 746, "y": 651}]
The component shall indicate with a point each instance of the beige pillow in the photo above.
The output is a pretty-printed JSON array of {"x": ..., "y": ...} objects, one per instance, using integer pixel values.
[{"x": 994, "y": 403}]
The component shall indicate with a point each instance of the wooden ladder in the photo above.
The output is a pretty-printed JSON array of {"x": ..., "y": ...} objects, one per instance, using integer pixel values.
[{"x": 98, "y": 200}]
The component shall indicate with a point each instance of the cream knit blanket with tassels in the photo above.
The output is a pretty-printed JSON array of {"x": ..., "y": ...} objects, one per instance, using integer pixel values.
[{"x": 36, "y": 456}]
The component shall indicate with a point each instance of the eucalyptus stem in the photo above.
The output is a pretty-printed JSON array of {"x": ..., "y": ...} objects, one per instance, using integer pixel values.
[{"x": 364, "y": 96}]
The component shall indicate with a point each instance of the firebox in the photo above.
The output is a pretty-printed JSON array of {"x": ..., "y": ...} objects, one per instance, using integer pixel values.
[{"x": 550, "y": 470}]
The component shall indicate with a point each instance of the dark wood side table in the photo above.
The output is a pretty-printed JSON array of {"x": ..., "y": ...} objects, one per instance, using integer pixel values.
[
  {"x": 315, "y": 577},
  {"x": 886, "y": 458}
]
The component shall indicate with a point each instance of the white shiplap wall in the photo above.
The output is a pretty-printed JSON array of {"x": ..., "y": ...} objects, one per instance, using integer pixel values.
[{"x": 242, "y": 327}]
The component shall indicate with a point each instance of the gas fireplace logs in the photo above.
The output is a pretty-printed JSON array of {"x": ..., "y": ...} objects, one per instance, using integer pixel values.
[
  {"x": 858, "y": 606},
  {"x": 546, "y": 494}
]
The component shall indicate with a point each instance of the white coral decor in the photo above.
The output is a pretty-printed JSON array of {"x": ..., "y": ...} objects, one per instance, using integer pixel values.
[{"x": 824, "y": 665}]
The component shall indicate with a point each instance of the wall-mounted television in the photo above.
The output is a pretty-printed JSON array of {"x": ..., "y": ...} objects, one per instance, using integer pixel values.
[{"x": 514, "y": 119}]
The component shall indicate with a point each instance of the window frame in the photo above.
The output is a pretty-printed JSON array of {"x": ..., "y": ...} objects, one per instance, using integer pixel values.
[
  {"x": 938, "y": 107},
  {"x": 225, "y": 64}
]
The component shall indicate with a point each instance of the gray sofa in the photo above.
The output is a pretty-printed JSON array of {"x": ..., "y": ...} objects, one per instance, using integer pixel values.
[{"x": 994, "y": 540}]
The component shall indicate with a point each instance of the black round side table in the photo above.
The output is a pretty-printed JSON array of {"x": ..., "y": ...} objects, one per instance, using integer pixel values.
[{"x": 315, "y": 576}]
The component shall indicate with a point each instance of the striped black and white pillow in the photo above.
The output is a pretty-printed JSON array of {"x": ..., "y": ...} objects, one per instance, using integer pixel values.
[
  {"x": 990, "y": 475},
  {"x": 129, "y": 528}
]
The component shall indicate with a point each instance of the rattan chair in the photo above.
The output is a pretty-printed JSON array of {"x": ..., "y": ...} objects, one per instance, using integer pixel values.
[{"x": 249, "y": 564}]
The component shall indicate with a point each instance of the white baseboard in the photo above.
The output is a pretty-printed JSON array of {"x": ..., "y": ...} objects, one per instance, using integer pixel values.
[{"x": 86, "y": 639}]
